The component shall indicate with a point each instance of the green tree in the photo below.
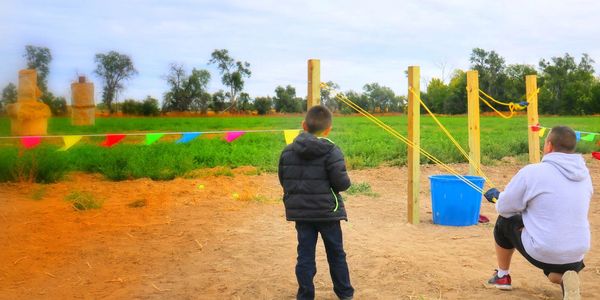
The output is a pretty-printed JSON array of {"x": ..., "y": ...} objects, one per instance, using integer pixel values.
[
  {"x": 263, "y": 105},
  {"x": 131, "y": 107},
  {"x": 380, "y": 97},
  {"x": 285, "y": 100},
  {"x": 186, "y": 92},
  {"x": 568, "y": 86},
  {"x": 245, "y": 102},
  {"x": 358, "y": 98},
  {"x": 9, "y": 95},
  {"x": 327, "y": 98},
  {"x": 491, "y": 68},
  {"x": 514, "y": 86},
  {"x": 150, "y": 107},
  {"x": 232, "y": 73},
  {"x": 218, "y": 101},
  {"x": 457, "y": 103},
  {"x": 438, "y": 93},
  {"x": 113, "y": 68},
  {"x": 39, "y": 58}
]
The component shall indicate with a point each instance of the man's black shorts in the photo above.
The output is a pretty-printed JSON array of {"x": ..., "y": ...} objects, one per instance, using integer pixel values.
[{"x": 507, "y": 234}]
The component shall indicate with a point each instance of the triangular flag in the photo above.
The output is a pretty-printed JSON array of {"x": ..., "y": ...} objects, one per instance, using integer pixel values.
[
  {"x": 188, "y": 136},
  {"x": 30, "y": 141},
  {"x": 589, "y": 137},
  {"x": 231, "y": 136},
  {"x": 290, "y": 135},
  {"x": 578, "y": 135},
  {"x": 112, "y": 139},
  {"x": 535, "y": 127},
  {"x": 153, "y": 137},
  {"x": 69, "y": 141},
  {"x": 542, "y": 131},
  {"x": 596, "y": 155}
]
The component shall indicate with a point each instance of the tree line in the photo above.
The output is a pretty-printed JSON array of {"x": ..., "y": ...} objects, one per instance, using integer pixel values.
[{"x": 567, "y": 87}]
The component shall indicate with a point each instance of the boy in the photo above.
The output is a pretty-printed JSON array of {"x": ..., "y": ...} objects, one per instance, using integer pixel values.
[
  {"x": 544, "y": 215},
  {"x": 312, "y": 172}
]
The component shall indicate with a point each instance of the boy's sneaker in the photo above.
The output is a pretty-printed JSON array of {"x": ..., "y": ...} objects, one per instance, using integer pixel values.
[
  {"x": 502, "y": 283},
  {"x": 570, "y": 285}
]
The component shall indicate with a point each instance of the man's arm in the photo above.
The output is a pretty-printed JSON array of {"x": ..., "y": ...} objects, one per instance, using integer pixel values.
[
  {"x": 336, "y": 171},
  {"x": 512, "y": 200}
]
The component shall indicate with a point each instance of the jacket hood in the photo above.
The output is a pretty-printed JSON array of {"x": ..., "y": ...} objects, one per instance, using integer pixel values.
[
  {"x": 309, "y": 146},
  {"x": 572, "y": 166}
]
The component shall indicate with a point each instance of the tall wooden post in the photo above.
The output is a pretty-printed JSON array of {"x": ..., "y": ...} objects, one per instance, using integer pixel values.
[
  {"x": 473, "y": 118},
  {"x": 532, "y": 118},
  {"x": 313, "y": 97},
  {"x": 414, "y": 135}
]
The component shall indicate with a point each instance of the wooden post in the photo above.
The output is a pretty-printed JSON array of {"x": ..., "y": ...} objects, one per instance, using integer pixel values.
[
  {"x": 532, "y": 118},
  {"x": 414, "y": 135},
  {"x": 313, "y": 97},
  {"x": 473, "y": 118}
]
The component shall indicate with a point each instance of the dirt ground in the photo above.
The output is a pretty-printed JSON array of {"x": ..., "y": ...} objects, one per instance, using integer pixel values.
[{"x": 228, "y": 239}]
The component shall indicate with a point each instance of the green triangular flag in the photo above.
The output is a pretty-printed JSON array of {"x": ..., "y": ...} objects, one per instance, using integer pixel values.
[
  {"x": 590, "y": 137},
  {"x": 153, "y": 137}
]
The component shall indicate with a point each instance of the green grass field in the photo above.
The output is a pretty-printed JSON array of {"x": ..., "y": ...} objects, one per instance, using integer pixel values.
[{"x": 364, "y": 144}]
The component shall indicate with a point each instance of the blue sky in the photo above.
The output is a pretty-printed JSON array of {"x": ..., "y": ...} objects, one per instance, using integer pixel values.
[{"x": 358, "y": 42}]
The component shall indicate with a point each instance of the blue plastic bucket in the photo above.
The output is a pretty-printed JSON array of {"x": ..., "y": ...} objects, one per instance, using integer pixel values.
[{"x": 453, "y": 201}]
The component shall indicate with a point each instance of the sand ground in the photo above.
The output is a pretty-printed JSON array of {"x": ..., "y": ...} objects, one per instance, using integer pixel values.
[{"x": 194, "y": 243}]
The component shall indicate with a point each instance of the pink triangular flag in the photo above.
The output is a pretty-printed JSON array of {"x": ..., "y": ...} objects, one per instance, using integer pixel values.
[
  {"x": 30, "y": 141},
  {"x": 231, "y": 136}
]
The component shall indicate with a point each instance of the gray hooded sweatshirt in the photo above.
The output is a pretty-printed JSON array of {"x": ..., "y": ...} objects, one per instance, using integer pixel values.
[{"x": 554, "y": 198}]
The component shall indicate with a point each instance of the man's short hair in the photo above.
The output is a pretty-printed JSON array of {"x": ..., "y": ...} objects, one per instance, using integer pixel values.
[
  {"x": 563, "y": 139},
  {"x": 318, "y": 119}
]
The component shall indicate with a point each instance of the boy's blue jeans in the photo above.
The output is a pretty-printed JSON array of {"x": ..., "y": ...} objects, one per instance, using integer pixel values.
[{"x": 306, "y": 268}]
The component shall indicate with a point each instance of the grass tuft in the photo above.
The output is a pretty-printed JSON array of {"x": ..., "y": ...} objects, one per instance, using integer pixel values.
[
  {"x": 84, "y": 200},
  {"x": 361, "y": 188}
]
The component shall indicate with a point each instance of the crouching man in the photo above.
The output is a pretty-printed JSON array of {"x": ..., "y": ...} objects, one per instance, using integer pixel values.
[{"x": 544, "y": 215}]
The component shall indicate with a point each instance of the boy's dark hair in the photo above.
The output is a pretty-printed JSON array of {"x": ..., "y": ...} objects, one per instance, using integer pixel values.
[
  {"x": 563, "y": 139},
  {"x": 318, "y": 118}
]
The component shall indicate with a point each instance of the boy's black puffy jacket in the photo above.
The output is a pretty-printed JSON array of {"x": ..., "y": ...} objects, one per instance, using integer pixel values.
[{"x": 312, "y": 172}]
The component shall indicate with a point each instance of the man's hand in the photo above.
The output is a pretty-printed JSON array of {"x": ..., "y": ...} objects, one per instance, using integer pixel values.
[{"x": 492, "y": 195}]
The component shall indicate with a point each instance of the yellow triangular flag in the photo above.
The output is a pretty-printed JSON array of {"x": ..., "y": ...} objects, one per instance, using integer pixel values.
[
  {"x": 290, "y": 135},
  {"x": 70, "y": 141},
  {"x": 542, "y": 131}
]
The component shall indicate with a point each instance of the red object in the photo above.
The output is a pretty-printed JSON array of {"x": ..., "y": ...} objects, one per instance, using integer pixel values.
[
  {"x": 503, "y": 283},
  {"x": 30, "y": 142},
  {"x": 596, "y": 155},
  {"x": 535, "y": 128},
  {"x": 483, "y": 219},
  {"x": 112, "y": 139}
]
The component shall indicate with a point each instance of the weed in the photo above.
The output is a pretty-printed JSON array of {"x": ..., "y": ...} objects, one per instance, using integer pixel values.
[
  {"x": 83, "y": 200},
  {"x": 38, "y": 194},
  {"x": 361, "y": 188}
]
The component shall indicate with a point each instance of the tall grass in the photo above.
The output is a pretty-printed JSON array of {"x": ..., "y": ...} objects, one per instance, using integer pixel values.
[{"x": 364, "y": 145}]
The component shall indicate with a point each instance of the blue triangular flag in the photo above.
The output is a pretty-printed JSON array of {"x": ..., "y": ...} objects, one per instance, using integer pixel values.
[
  {"x": 188, "y": 136},
  {"x": 578, "y": 135}
]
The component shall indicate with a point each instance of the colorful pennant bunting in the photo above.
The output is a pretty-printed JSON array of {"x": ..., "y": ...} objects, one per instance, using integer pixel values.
[
  {"x": 30, "y": 142},
  {"x": 69, "y": 141},
  {"x": 535, "y": 128},
  {"x": 596, "y": 155},
  {"x": 290, "y": 135},
  {"x": 578, "y": 135},
  {"x": 112, "y": 139},
  {"x": 588, "y": 137},
  {"x": 153, "y": 137},
  {"x": 231, "y": 136},
  {"x": 187, "y": 137}
]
